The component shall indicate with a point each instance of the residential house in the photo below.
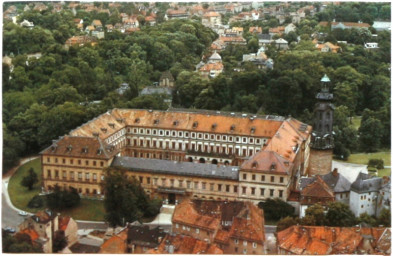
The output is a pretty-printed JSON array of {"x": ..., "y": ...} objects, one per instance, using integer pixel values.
[
  {"x": 317, "y": 191},
  {"x": 384, "y": 200},
  {"x": 281, "y": 44},
  {"x": 290, "y": 28},
  {"x": 181, "y": 244},
  {"x": 369, "y": 46},
  {"x": 255, "y": 15},
  {"x": 232, "y": 40},
  {"x": 166, "y": 79},
  {"x": 40, "y": 7},
  {"x": 80, "y": 41},
  {"x": 42, "y": 226},
  {"x": 344, "y": 25},
  {"x": 177, "y": 14},
  {"x": 255, "y": 30},
  {"x": 97, "y": 25},
  {"x": 276, "y": 31},
  {"x": 117, "y": 243},
  {"x": 217, "y": 46},
  {"x": 89, "y": 29},
  {"x": 322, "y": 240},
  {"x": 364, "y": 194},
  {"x": 265, "y": 39},
  {"x": 27, "y": 24},
  {"x": 142, "y": 238},
  {"x": 131, "y": 22},
  {"x": 259, "y": 59},
  {"x": 109, "y": 28},
  {"x": 382, "y": 25},
  {"x": 235, "y": 227},
  {"x": 211, "y": 19},
  {"x": 328, "y": 47},
  {"x": 213, "y": 67},
  {"x": 150, "y": 20}
]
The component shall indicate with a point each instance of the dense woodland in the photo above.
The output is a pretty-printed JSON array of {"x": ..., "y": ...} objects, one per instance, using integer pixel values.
[{"x": 47, "y": 97}]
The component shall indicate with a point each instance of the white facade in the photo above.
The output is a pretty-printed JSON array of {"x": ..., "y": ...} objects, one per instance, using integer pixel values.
[{"x": 363, "y": 203}]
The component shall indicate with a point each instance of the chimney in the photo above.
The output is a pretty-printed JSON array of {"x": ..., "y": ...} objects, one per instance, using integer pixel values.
[{"x": 335, "y": 172}]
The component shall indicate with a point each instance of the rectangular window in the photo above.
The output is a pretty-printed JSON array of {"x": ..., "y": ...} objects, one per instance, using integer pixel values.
[
  {"x": 263, "y": 178},
  {"x": 79, "y": 162},
  {"x": 87, "y": 176},
  {"x": 244, "y": 176},
  {"x": 211, "y": 186},
  {"x": 163, "y": 182},
  {"x": 55, "y": 160},
  {"x": 102, "y": 163},
  {"x": 155, "y": 181},
  {"x": 252, "y": 191},
  {"x": 48, "y": 160},
  {"x": 188, "y": 184},
  {"x": 244, "y": 190},
  {"x": 236, "y": 241},
  {"x": 197, "y": 230},
  {"x": 79, "y": 176},
  {"x": 219, "y": 187},
  {"x": 64, "y": 174},
  {"x": 94, "y": 163},
  {"x": 244, "y": 243},
  {"x": 235, "y": 189},
  {"x": 56, "y": 174},
  {"x": 203, "y": 185},
  {"x": 271, "y": 192},
  {"x": 71, "y": 161},
  {"x": 196, "y": 185},
  {"x": 254, "y": 245},
  {"x": 227, "y": 188},
  {"x": 148, "y": 180},
  {"x": 64, "y": 161},
  {"x": 280, "y": 193},
  {"x": 262, "y": 192},
  {"x": 281, "y": 179},
  {"x": 272, "y": 178},
  {"x": 172, "y": 182},
  {"x": 141, "y": 179},
  {"x": 72, "y": 175},
  {"x": 180, "y": 183},
  {"x": 94, "y": 176},
  {"x": 87, "y": 162},
  {"x": 48, "y": 173},
  {"x": 253, "y": 177}
]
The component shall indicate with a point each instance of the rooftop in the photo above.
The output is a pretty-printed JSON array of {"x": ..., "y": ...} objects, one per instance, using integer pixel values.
[{"x": 177, "y": 168}]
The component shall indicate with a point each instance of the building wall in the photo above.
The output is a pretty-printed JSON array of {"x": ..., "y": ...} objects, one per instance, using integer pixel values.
[
  {"x": 239, "y": 246},
  {"x": 320, "y": 162},
  {"x": 71, "y": 232},
  {"x": 363, "y": 203},
  {"x": 198, "y": 233}
]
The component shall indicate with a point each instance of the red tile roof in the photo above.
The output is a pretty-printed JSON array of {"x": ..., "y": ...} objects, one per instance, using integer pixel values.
[
  {"x": 319, "y": 190},
  {"x": 31, "y": 233},
  {"x": 212, "y": 66},
  {"x": 63, "y": 222},
  {"x": 115, "y": 244},
  {"x": 328, "y": 240}
]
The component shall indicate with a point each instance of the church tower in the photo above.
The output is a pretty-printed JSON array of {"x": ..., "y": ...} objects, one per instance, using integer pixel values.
[{"x": 322, "y": 141}]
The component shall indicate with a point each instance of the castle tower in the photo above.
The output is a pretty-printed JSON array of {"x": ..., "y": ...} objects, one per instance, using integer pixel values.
[{"x": 322, "y": 142}]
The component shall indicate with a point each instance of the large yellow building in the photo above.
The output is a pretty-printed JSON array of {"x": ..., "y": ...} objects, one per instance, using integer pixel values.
[{"x": 179, "y": 154}]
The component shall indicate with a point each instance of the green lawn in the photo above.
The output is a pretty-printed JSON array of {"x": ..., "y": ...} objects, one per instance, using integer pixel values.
[
  {"x": 362, "y": 158},
  {"x": 20, "y": 196}
]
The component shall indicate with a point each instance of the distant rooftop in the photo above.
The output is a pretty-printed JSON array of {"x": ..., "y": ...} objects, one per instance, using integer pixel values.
[{"x": 177, "y": 168}]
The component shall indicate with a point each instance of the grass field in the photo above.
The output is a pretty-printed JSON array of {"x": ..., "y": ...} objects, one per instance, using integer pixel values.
[
  {"x": 20, "y": 196},
  {"x": 362, "y": 158}
]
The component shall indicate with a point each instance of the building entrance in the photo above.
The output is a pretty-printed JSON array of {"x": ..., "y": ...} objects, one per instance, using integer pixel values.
[{"x": 171, "y": 198}]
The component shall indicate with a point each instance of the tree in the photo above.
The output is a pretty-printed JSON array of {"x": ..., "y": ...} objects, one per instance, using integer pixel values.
[
  {"x": 286, "y": 223},
  {"x": 339, "y": 215},
  {"x": 29, "y": 180},
  {"x": 384, "y": 218},
  {"x": 318, "y": 213},
  {"x": 58, "y": 200},
  {"x": 367, "y": 219},
  {"x": 276, "y": 209},
  {"x": 370, "y": 134}
]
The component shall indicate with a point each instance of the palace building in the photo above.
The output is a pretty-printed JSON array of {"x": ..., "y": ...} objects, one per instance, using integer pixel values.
[{"x": 178, "y": 154}]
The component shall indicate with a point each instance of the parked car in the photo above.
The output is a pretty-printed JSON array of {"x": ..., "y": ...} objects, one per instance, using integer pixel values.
[{"x": 22, "y": 213}]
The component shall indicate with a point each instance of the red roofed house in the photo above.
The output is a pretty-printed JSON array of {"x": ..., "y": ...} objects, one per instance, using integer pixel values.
[
  {"x": 210, "y": 19},
  {"x": 236, "y": 227},
  {"x": 116, "y": 244},
  {"x": 334, "y": 240},
  {"x": 213, "y": 67},
  {"x": 344, "y": 25},
  {"x": 42, "y": 226},
  {"x": 255, "y": 30},
  {"x": 180, "y": 244},
  {"x": 316, "y": 192}
]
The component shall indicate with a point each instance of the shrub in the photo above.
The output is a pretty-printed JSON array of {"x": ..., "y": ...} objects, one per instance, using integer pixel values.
[
  {"x": 376, "y": 163},
  {"x": 275, "y": 209},
  {"x": 36, "y": 202}
]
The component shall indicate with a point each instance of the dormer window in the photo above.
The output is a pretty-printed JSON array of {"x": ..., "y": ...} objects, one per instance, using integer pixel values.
[
  {"x": 214, "y": 126},
  {"x": 157, "y": 121},
  {"x": 273, "y": 167},
  {"x": 137, "y": 120},
  {"x": 254, "y": 164},
  {"x": 69, "y": 148},
  {"x": 84, "y": 149},
  {"x": 233, "y": 127},
  {"x": 54, "y": 147},
  {"x": 112, "y": 125},
  {"x": 195, "y": 125},
  {"x": 252, "y": 130},
  {"x": 104, "y": 130},
  {"x": 110, "y": 148},
  {"x": 175, "y": 123},
  {"x": 95, "y": 134},
  {"x": 99, "y": 151},
  {"x": 120, "y": 120}
]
